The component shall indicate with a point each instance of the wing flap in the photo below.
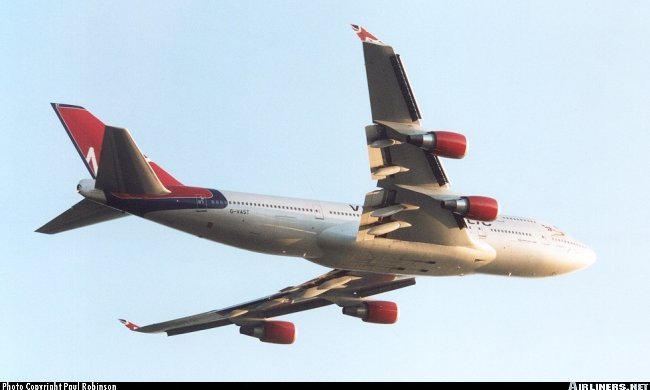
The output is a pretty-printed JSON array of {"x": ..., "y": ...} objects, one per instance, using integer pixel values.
[
  {"x": 391, "y": 96},
  {"x": 419, "y": 167}
]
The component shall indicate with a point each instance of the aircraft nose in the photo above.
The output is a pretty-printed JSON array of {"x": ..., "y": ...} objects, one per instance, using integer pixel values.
[{"x": 587, "y": 257}]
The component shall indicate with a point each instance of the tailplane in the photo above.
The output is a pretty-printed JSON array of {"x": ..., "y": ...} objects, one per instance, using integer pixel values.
[{"x": 82, "y": 214}]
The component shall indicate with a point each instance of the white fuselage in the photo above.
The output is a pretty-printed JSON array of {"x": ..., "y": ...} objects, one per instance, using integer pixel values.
[{"x": 326, "y": 233}]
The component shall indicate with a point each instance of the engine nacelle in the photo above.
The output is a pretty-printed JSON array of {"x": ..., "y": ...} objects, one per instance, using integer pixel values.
[
  {"x": 276, "y": 332},
  {"x": 377, "y": 312},
  {"x": 441, "y": 143},
  {"x": 480, "y": 208}
]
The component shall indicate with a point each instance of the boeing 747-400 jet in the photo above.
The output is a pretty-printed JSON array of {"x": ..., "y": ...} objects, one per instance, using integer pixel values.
[{"x": 411, "y": 225}]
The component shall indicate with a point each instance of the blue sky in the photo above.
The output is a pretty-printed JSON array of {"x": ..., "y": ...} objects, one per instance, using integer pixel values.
[{"x": 271, "y": 97}]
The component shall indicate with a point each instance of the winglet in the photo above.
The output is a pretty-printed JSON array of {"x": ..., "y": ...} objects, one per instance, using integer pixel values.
[
  {"x": 365, "y": 35},
  {"x": 129, "y": 324}
]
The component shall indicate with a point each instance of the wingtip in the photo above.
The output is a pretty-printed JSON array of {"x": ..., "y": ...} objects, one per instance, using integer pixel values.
[
  {"x": 364, "y": 35},
  {"x": 130, "y": 325}
]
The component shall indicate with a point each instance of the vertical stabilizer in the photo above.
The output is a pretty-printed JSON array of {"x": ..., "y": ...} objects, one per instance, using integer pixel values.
[{"x": 85, "y": 131}]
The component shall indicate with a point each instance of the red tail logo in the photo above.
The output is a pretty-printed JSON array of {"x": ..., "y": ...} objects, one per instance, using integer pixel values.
[
  {"x": 85, "y": 131},
  {"x": 87, "y": 135},
  {"x": 91, "y": 160}
]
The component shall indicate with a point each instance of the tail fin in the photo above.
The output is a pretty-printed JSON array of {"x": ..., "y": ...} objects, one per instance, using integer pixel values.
[
  {"x": 87, "y": 134},
  {"x": 123, "y": 167},
  {"x": 85, "y": 131},
  {"x": 113, "y": 160}
]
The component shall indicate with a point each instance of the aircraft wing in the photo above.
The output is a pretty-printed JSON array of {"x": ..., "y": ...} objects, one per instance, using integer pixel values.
[
  {"x": 412, "y": 181},
  {"x": 395, "y": 111},
  {"x": 344, "y": 288}
]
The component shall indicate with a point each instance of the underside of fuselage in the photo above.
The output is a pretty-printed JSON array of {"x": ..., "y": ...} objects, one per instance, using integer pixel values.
[{"x": 505, "y": 247}]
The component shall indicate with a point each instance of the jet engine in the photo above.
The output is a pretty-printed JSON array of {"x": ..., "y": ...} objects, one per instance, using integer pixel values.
[
  {"x": 377, "y": 312},
  {"x": 276, "y": 332},
  {"x": 441, "y": 143},
  {"x": 480, "y": 208}
]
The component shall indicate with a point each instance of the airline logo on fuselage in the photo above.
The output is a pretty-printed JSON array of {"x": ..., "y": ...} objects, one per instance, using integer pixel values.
[{"x": 554, "y": 231}]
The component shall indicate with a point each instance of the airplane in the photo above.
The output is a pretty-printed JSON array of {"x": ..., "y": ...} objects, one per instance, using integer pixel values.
[{"x": 411, "y": 225}]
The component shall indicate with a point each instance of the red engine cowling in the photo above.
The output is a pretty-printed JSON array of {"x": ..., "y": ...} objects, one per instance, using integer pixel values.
[
  {"x": 377, "y": 312},
  {"x": 480, "y": 208},
  {"x": 276, "y": 332},
  {"x": 441, "y": 143}
]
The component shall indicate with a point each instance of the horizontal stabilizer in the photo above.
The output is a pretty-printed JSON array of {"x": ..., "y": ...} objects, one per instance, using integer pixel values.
[
  {"x": 82, "y": 214},
  {"x": 123, "y": 168}
]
